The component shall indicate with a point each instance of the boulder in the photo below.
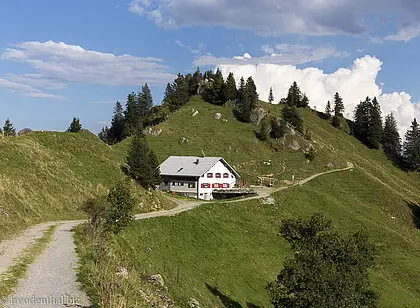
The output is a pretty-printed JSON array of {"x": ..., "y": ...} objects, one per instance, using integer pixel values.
[
  {"x": 195, "y": 113},
  {"x": 257, "y": 115},
  {"x": 294, "y": 145},
  {"x": 330, "y": 165},
  {"x": 152, "y": 131},
  {"x": 157, "y": 280},
  {"x": 218, "y": 116},
  {"x": 193, "y": 303},
  {"x": 268, "y": 200},
  {"x": 122, "y": 272}
]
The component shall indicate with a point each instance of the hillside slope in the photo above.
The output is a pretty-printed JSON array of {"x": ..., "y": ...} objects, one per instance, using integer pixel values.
[
  {"x": 230, "y": 252},
  {"x": 47, "y": 175}
]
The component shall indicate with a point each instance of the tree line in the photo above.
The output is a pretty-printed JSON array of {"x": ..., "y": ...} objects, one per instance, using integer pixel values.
[{"x": 369, "y": 127}]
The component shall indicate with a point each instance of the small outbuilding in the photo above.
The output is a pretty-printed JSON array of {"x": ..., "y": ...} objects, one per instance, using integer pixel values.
[{"x": 197, "y": 177}]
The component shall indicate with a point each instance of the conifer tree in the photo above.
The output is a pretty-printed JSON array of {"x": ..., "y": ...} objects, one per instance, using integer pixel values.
[
  {"x": 411, "y": 147},
  {"x": 142, "y": 162},
  {"x": 241, "y": 91},
  {"x": 375, "y": 130},
  {"x": 265, "y": 129},
  {"x": 8, "y": 129},
  {"x": 180, "y": 94},
  {"x": 328, "y": 111},
  {"x": 214, "y": 93},
  {"x": 294, "y": 96},
  {"x": 271, "y": 96},
  {"x": 168, "y": 96},
  {"x": 231, "y": 92},
  {"x": 278, "y": 128},
  {"x": 304, "y": 102},
  {"x": 249, "y": 101},
  {"x": 338, "y": 105},
  {"x": 118, "y": 130},
  {"x": 132, "y": 112},
  {"x": 75, "y": 126},
  {"x": 196, "y": 83},
  {"x": 391, "y": 140},
  {"x": 144, "y": 101},
  {"x": 291, "y": 115}
]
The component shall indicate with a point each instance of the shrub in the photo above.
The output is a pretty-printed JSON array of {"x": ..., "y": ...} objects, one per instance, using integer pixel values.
[{"x": 328, "y": 269}]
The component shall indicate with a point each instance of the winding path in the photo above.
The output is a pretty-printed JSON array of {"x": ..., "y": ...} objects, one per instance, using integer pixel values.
[{"x": 51, "y": 279}]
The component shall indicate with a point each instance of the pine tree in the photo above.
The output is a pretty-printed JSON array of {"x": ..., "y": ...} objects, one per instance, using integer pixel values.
[
  {"x": 271, "y": 96},
  {"x": 231, "y": 92},
  {"x": 391, "y": 140},
  {"x": 294, "y": 96},
  {"x": 367, "y": 125},
  {"x": 132, "y": 112},
  {"x": 375, "y": 130},
  {"x": 214, "y": 93},
  {"x": 249, "y": 102},
  {"x": 168, "y": 96},
  {"x": 144, "y": 101},
  {"x": 241, "y": 91},
  {"x": 328, "y": 111},
  {"x": 411, "y": 147},
  {"x": 118, "y": 130},
  {"x": 75, "y": 126},
  {"x": 291, "y": 115},
  {"x": 8, "y": 129},
  {"x": 278, "y": 128},
  {"x": 304, "y": 102},
  {"x": 265, "y": 129},
  {"x": 196, "y": 83},
  {"x": 142, "y": 162},
  {"x": 338, "y": 105},
  {"x": 179, "y": 96}
]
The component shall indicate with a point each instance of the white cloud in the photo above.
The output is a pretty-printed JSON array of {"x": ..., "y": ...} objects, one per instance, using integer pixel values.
[
  {"x": 27, "y": 90},
  {"x": 274, "y": 18},
  {"x": 63, "y": 64},
  {"x": 279, "y": 54},
  {"x": 405, "y": 34},
  {"x": 354, "y": 84},
  {"x": 195, "y": 51}
]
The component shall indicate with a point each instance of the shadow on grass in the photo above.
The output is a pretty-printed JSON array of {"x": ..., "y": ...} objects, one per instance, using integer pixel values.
[
  {"x": 415, "y": 211},
  {"x": 226, "y": 300}
]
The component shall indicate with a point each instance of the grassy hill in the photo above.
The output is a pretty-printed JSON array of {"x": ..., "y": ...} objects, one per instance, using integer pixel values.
[
  {"x": 230, "y": 252},
  {"x": 47, "y": 175}
]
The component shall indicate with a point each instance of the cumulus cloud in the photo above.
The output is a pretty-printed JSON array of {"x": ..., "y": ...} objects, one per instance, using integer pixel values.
[
  {"x": 273, "y": 18},
  {"x": 293, "y": 54},
  {"x": 27, "y": 90},
  {"x": 354, "y": 84},
  {"x": 61, "y": 64}
]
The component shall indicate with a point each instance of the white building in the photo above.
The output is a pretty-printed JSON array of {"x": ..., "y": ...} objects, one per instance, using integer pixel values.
[{"x": 197, "y": 177}]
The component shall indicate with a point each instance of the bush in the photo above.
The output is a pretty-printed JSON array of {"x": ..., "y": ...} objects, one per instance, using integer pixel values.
[
  {"x": 328, "y": 269},
  {"x": 111, "y": 214},
  {"x": 120, "y": 211},
  {"x": 96, "y": 208},
  {"x": 336, "y": 122},
  {"x": 310, "y": 154}
]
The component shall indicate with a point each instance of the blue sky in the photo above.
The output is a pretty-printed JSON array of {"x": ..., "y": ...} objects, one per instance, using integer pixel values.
[{"x": 60, "y": 59}]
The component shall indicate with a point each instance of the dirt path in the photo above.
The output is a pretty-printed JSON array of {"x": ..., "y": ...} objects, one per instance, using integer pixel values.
[{"x": 51, "y": 280}]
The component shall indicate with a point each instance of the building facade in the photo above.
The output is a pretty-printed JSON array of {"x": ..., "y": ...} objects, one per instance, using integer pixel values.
[{"x": 197, "y": 177}]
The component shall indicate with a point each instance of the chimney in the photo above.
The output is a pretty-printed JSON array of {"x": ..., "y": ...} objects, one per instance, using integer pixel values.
[{"x": 197, "y": 161}]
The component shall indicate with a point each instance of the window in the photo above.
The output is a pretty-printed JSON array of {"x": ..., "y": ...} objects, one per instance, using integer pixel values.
[
  {"x": 232, "y": 176},
  {"x": 205, "y": 185},
  {"x": 173, "y": 183},
  {"x": 210, "y": 175},
  {"x": 218, "y": 175},
  {"x": 166, "y": 183},
  {"x": 191, "y": 185},
  {"x": 225, "y": 175},
  {"x": 182, "y": 184},
  {"x": 226, "y": 185}
]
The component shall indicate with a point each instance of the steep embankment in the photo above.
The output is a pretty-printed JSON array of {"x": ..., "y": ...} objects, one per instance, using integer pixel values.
[
  {"x": 229, "y": 252},
  {"x": 47, "y": 175}
]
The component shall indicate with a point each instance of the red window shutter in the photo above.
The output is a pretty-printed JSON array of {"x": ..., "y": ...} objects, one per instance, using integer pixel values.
[{"x": 202, "y": 185}]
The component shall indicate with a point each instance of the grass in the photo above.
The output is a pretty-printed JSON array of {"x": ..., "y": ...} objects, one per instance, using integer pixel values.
[
  {"x": 10, "y": 279},
  {"x": 235, "y": 247},
  {"x": 227, "y": 253},
  {"x": 47, "y": 175}
]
